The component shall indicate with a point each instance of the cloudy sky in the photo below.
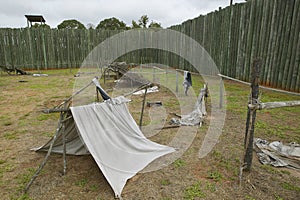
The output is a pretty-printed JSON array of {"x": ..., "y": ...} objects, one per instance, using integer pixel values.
[{"x": 167, "y": 12}]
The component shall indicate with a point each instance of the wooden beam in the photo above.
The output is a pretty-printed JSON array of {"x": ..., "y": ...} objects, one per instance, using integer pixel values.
[
  {"x": 262, "y": 87},
  {"x": 55, "y": 110},
  {"x": 271, "y": 105}
]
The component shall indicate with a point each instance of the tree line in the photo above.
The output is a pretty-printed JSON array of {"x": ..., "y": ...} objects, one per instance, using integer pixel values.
[{"x": 112, "y": 23}]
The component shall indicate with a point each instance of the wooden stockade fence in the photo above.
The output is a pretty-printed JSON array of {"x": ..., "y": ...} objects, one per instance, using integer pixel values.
[
  {"x": 268, "y": 29},
  {"x": 38, "y": 48},
  {"x": 233, "y": 36}
]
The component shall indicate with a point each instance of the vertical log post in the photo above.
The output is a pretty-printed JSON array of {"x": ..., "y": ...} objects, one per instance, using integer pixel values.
[
  {"x": 44, "y": 47},
  {"x": 221, "y": 94},
  {"x": 252, "y": 106},
  {"x": 64, "y": 149},
  {"x": 143, "y": 107},
  {"x": 97, "y": 95},
  {"x": 64, "y": 116},
  {"x": 176, "y": 81},
  {"x": 167, "y": 75},
  {"x": 153, "y": 75}
]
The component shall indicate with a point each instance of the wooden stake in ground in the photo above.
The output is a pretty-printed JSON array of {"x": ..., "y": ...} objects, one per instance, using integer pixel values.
[
  {"x": 143, "y": 107},
  {"x": 251, "y": 115}
]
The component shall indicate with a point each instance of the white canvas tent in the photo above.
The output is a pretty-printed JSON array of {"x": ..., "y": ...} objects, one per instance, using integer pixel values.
[{"x": 109, "y": 133}]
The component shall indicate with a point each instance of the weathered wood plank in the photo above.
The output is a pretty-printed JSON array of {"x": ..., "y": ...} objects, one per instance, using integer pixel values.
[{"x": 271, "y": 105}]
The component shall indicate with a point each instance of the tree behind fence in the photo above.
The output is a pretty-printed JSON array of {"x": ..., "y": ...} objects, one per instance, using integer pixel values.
[{"x": 233, "y": 36}]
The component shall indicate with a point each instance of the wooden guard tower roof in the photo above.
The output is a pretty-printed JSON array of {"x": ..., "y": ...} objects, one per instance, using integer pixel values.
[{"x": 34, "y": 18}]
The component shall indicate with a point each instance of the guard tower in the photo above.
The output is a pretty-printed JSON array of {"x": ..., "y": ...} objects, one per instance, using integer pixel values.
[{"x": 34, "y": 18}]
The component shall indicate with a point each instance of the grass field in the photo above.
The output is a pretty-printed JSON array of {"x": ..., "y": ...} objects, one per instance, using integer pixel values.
[{"x": 24, "y": 126}]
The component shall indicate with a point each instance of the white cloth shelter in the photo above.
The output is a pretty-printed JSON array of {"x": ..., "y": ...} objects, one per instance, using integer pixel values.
[{"x": 108, "y": 131}]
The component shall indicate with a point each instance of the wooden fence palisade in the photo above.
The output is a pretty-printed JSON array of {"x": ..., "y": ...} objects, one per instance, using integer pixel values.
[
  {"x": 38, "y": 48},
  {"x": 233, "y": 36},
  {"x": 268, "y": 29}
]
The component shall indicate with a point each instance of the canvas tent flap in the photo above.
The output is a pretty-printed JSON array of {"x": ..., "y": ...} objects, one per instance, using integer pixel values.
[
  {"x": 108, "y": 132},
  {"x": 115, "y": 141},
  {"x": 74, "y": 144}
]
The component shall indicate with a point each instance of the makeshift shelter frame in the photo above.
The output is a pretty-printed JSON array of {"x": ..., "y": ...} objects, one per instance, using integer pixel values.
[{"x": 64, "y": 110}]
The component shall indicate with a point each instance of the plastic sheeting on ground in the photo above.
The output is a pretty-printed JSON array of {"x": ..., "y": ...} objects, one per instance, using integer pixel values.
[
  {"x": 195, "y": 117},
  {"x": 115, "y": 141},
  {"x": 278, "y": 154}
]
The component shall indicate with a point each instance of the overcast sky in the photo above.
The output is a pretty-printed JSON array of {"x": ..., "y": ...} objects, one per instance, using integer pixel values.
[{"x": 166, "y": 12}]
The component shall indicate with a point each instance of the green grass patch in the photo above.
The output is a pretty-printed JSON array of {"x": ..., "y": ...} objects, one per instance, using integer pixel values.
[
  {"x": 224, "y": 162},
  {"x": 24, "y": 116},
  {"x": 24, "y": 178},
  {"x": 40, "y": 86},
  {"x": 277, "y": 197},
  {"x": 23, "y": 197},
  {"x": 272, "y": 130},
  {"x": 270, "y": 169},
  {"x": 93, "y": 188},
  {"x": 7, "y": 123},
  {"x": 22, "y": 123},
  {"x": 43, "y": 117},
  {"x": 11, "y": 136},
  {"x": 81, "y": 182},
  {"x": 48, "y": 134},
  {"x": 9, "y": 167},
  {"x": 215, "y": 175},
  {"x": 5, "y": 120},
  {"x": 285, "y": 172},
  {"x": 165, "y": 182},
  {"x": 290, "y": 187},
  {"x": 247, "y": 197},
  {"x": 179, "y": 163},
  {"x": 211, "y": 187},
  {"x": 194, "y": 191}
]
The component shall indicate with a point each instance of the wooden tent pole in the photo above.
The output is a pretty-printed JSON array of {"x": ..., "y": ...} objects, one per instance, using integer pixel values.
[
  {"x": 138, "y": 89},
  {"x": 64, "y": 150},
  {"x": 63, "y": 113},
  {"x": 64, "y": 144},
  {"x": 47, "y": 155},
  {"x": 79, "y": 91},
  {"x": 143, "y": 107}
]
